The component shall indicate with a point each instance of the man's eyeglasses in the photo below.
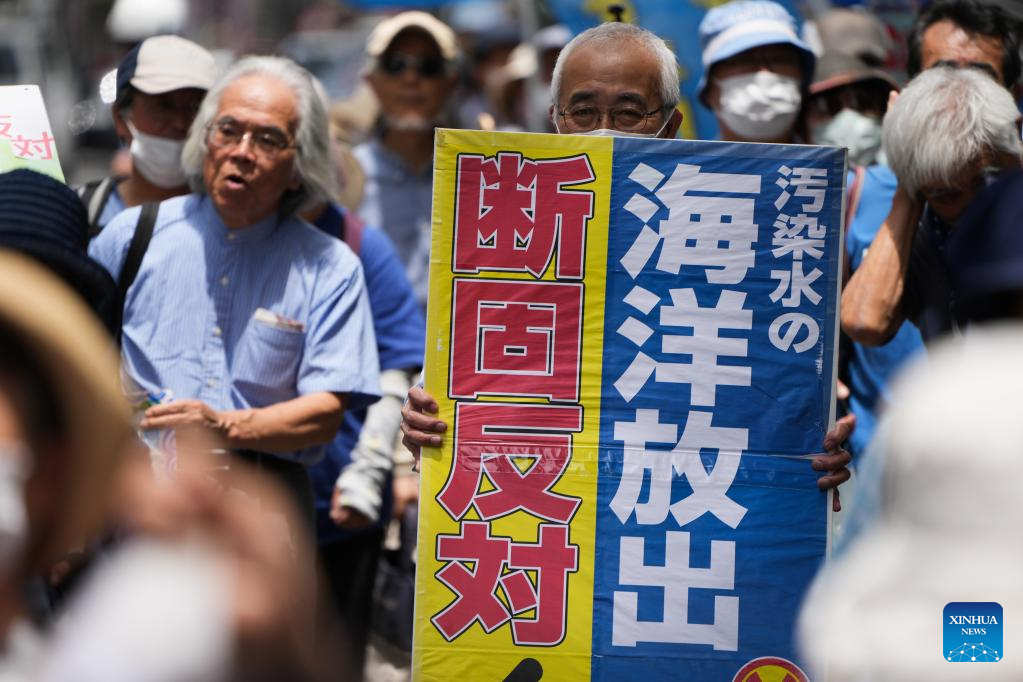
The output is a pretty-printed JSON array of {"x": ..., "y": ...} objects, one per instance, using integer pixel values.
[
  {"x": 268, "y": 142},
  {"x": 397, "y": 62},
  {"x": 586, "y": 117}
]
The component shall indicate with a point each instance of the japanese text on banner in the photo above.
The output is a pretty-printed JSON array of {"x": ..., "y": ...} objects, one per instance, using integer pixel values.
[
  {"x": 715, "y": 233},
  {"x": 518, "y": 337}
]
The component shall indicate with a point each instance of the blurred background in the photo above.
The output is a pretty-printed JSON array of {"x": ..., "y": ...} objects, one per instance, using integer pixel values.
[{"x": 69, "y": 46}]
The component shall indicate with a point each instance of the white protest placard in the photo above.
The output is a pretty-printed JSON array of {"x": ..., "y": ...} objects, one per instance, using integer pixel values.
[{"x": 26, "y": 138}]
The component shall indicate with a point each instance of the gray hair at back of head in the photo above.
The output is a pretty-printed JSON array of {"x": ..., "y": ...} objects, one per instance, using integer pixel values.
[
  {"x": 613, "y": 34},
  {"x": 945, "y": 121},
  {"x": 314, "y": 164}
]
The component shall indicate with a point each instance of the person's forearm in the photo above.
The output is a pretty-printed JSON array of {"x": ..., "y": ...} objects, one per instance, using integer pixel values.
[
  {"x": 302, "y": 422},
  {"x": 872, "y": 300},
  {"x": 361, "y": 482}
]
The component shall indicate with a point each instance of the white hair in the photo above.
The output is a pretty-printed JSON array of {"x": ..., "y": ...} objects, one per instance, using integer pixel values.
[
  {"x": 945, "y": 121},
  {"x": 611, "y": 35},
  {"x": 314, "y": 164}
]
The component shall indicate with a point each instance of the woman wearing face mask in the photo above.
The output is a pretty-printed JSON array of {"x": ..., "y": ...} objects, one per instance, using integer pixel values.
[
  {"x": 847, "y": 101},
  {"x": 756, "y": 73},
  {"x": 160, "y": 85}
]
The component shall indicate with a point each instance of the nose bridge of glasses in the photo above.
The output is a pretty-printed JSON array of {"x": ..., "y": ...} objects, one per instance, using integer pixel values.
[
  {"x": 248, "y": 136},
  {"x": 242, "y": 142},
  {"x": 235, "y": 141},
  {"x": 229, "y": 134},
  {"x": 606, "y": 118},
  {"x": 585, "y": 118}
]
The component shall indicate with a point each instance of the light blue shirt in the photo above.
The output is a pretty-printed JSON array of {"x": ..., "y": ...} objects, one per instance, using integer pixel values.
[
  {"x": 191, "y": 323},
  {"x": 872, "y": 367},
  {"x": 398, "y": 200},
  {"x": 114, "y": 205}
]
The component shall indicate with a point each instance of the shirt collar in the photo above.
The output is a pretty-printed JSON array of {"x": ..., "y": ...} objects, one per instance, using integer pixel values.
[{"x": 235, "y": 235}]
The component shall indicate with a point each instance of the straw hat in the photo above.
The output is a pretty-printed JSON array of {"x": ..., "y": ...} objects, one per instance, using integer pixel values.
[{"x": 81, "y": 363}]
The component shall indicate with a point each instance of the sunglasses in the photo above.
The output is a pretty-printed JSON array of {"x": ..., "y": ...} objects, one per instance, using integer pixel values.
[
  {"x": 427, "y": 67},
  {"x": 866, "y": 97}
]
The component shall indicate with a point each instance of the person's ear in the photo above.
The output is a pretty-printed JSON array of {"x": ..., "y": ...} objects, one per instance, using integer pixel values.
[
  {"x": 120, "y": 125},
  {"x": 370, "y": 77},
  {"x": 1004, "y": 160},
  {"x": 674, "y": 123}
]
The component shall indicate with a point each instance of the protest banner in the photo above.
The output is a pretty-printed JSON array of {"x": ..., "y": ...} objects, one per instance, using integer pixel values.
[
  {"x": 633, "y": 342},
  {"x": 26, "y": 138}
]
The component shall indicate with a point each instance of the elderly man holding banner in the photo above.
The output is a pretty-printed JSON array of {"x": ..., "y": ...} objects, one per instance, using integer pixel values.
[
  {"x": 631, "y": 90},
  {"x": 632, "y": 340}
]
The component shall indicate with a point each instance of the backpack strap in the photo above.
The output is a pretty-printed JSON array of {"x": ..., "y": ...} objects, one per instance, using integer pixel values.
[
  {"x": 94, "y": 196},
  {"x": 86, "y": 191},
  {"x": 137, "y": 249},
  {"x": 352, "y": 228}
]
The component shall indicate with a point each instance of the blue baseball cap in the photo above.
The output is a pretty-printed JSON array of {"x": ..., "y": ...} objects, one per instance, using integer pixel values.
[{"x": 743, "y": 25}]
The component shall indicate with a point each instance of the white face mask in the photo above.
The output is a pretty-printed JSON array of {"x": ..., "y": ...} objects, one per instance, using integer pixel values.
[
  {"x": 15, "y": 463},
  {"x": 860, "y": 133},
  {"x": 158, "y": 159},
  {"x": 760, "y": 106}
]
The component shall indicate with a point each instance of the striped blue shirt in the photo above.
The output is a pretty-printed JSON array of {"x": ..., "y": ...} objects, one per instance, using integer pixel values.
[
  {"x": 246, "y": 317},
  {"x": 398, "y": 199}
]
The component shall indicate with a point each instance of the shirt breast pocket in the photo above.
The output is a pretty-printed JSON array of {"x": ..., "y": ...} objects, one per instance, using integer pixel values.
[{"x": 266, "y": 365}]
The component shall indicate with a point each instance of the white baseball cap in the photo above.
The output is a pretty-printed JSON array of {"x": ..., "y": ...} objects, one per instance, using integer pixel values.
[
  {"x": 164, "y": 63},
  {"x": 388, "y": 29}
]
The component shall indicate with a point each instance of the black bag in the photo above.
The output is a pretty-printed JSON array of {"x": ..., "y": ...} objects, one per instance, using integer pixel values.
[{"x": 395, "y": 588}]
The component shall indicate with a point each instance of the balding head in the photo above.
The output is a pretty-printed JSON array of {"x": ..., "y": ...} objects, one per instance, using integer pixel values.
[{"x": 615, "y": 76}]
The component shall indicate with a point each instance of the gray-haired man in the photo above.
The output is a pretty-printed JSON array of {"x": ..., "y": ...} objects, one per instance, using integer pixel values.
[
  {"x": 949, "y": 133},
  {"x": 615, "y": 79},
  {"x": 255, "y": 321}
]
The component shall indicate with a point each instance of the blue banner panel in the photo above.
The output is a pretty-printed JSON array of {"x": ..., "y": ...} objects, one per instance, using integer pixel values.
[{"x": 718, "y": 367}]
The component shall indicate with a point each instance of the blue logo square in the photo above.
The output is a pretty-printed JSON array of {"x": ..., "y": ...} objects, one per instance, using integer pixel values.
[{"x": 973, "y": 632}]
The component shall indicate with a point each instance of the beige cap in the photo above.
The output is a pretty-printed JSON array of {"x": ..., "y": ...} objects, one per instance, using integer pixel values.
[
  {"x": 81, "y": 362},
  {"x": 388, "y": 29},
  {"x": 164, "y": 63},
  {"x": 856, "y": 33},
  {"x": 835, "y": 70}
]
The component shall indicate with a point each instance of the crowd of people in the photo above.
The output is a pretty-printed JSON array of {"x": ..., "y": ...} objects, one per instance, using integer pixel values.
[{"x": 209, "y": 410}]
